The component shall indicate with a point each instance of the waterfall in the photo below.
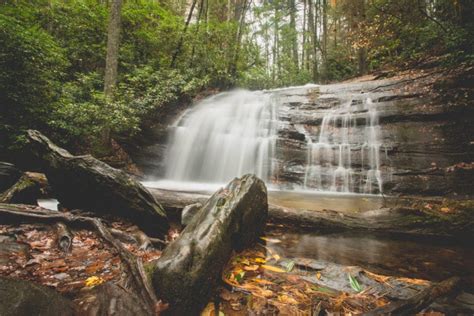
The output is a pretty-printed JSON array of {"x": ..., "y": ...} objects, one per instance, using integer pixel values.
[
  {"x": 223, "y": 137},
  {"x": 239, "y": 132},
  {"x": 329, "y": 164}
]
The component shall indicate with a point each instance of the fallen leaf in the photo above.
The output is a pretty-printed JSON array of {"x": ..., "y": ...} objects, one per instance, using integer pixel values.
[
  {"x": 260, "y": 260},
  {"x": 94, "y": 281},
  {"x": 272, "y": 268}
]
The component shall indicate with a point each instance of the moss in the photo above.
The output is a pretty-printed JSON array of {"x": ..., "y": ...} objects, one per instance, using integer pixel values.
[{"x": 149, "y": 269}]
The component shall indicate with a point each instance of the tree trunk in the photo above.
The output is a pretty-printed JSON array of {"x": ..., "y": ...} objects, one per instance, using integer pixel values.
[
  {"x": 181, "y": 39},
  {"x": 113, "y": 41},
  {"x": 294, "y": 34},
  {"x": 86, "y": 183},
  {"x": 325, "y": 41}
]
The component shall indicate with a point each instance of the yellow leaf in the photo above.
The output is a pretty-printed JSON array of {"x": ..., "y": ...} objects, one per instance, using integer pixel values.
[
  {"x": 276, "y": 257},
  {"x": 318, "y": 275},
  {"x": 93, "y": 281},
  {"x": 272, "y": 268},
  {"x": 260, "y": 260}
]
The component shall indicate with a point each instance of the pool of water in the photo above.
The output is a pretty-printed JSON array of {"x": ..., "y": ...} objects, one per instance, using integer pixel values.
[
  {"x": 426, "y": 259},
  {"x": 297, "y": 199}
]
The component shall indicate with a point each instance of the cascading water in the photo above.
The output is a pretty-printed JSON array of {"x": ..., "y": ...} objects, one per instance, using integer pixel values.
[
  {"x": 224, "y": 136},
  {"x": 240, "y": 132},
  {"x": 329, "y": 164}
]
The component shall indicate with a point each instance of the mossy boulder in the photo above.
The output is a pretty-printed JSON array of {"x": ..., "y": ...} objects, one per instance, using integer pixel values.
[
  {"x": 190, "y": 267},
  {"x": 24, "y": 298}
]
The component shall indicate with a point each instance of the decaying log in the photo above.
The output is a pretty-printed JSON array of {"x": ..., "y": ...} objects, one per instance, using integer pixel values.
[
  {"x": 84, "y": 182},
  {"x": 14, "y": 213},
  {"x": 27, "y": 190},
  {"x": 421, "y": 300},
  {"x": 9, "y": 174},
  {"x": 19, "y": 297},
  {"x": 190, "y": 267}
]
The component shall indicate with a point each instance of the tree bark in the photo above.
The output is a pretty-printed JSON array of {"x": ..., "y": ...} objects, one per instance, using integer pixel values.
[
  {"x": 113, "y": 42},
  {"x": 86, "y": 183},
  {"x": 181, "y": 39}
]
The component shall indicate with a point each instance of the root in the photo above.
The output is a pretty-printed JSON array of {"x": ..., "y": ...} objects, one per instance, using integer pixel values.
[{"x": 134, "y": 265}]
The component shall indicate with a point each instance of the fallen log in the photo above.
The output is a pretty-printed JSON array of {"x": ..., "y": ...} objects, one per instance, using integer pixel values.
[
  {"x": 86, "y": 183},
  {"x": 27, "y": 190},
  {"x": 397, "y": 220},
  {"x": 9, "y": 174},
  {"x": 190, "y": 267},
  {"x": 421, "y": 300}
]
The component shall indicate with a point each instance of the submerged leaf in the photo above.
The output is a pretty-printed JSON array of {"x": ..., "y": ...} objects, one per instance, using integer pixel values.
[
  {"x": 289, "y": 266},
  {"x": 354, "y": 283}
]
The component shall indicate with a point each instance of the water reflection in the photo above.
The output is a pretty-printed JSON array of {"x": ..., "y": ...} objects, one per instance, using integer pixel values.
[{"x": 419, "y": 259}]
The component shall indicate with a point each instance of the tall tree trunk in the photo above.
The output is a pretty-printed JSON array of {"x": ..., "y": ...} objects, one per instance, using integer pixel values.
[
  {"x": 303, "y": 46},
  {"x": 316, "y": 76},
  {"x": 294, "y": 33},
  {"x": 111, "y": 60},
  {"x": 275, "y": 45},
  {"x": 362, "y": 51},
  {"x": 113, "y": 41},
  {"x": 240, "y": 19},
  {"x": 325, "y": 40},
  {"x": 201, "y": 9},
  {"x": 181, "y": 39}
]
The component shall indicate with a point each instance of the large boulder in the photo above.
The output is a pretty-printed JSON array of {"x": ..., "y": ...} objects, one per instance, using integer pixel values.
[
  {"x": 190, "y": 267},
  {"x": 24, "y": 298},
  {"x": 84, "y": 182}
]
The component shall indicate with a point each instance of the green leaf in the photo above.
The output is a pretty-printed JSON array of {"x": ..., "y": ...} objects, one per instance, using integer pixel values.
[
  {"x": 289, "y": 266},
  {"x": 240, "y": 276},
  {"x": 322, "y": 289},
  {"x": 354, "y": 283}
]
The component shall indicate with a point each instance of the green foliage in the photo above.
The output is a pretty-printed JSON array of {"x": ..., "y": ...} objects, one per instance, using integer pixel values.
[
  {"x": 31, "y": 66},
  {"x": 83, "y": 113}
]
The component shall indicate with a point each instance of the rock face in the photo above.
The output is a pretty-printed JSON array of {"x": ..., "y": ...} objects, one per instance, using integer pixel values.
[
  {"x": 190, "y": 267},
  {"x": 23, "y": 298},
  {"x": 392, "y": 135},
  {"x": 86, "y": 183},
  {"x": 9, "y": 174}
]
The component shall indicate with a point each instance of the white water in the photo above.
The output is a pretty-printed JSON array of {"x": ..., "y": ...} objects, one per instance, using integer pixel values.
[
  {"x": 329, "y": 164},
  {"x": 223, "y": 137},
  {"x": 234, "y": 133}
]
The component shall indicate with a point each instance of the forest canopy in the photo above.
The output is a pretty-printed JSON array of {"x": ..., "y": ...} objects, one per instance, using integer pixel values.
[{"x": 53, "y": 54}]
